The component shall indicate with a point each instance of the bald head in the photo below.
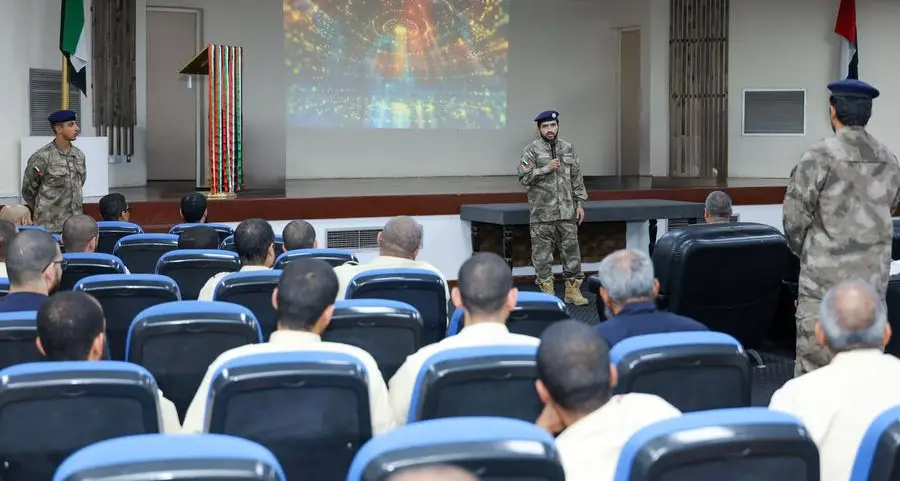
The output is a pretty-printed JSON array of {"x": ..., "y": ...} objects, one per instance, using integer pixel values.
[
  {"x": 718, "y": 208},
  {"x": 18, "y": 214},
  {"x": 853, "y": 316},
  {"x": 80, "y": 233},
  {"x": 401, "y": 237},
  {"x": 433, "y": 473}
]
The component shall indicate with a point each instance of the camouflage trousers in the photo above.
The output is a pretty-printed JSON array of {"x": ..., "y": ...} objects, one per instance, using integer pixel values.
[
  {"x": 810, "y": 354},
  {"x": 545, "y": 237}
]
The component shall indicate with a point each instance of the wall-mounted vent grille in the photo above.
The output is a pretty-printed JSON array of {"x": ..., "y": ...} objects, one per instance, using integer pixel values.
[
  {"x": 678, "y": 223},
  {"x": 45, "y": 95},
  {"x": 774, "y": 112},
  {"x": 352, "y": 238}
]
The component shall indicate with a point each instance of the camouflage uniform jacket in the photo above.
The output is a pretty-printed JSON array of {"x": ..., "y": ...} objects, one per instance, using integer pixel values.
[
  {"x": 51, "y": 186},
  {"x": 837, "y": 211},
  {"x": 552, "y": 195}
]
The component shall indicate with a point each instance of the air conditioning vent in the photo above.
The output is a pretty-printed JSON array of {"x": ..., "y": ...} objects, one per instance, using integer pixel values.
[
  {"x": 679, "y": 223},
  {"x": 353, "y": 239},
  {"x": 45, "y": 97},
  {"x": 774, "y": 112}
]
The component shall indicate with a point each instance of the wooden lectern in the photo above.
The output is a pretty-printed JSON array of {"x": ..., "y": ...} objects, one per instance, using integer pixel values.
[{"x": 222, "y": 65}]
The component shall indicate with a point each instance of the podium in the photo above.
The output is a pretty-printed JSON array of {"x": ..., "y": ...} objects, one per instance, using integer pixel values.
[{"x": 222, "y": 65}]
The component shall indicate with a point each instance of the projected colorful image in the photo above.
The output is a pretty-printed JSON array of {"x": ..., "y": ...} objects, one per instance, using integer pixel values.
[{"x": 397, "y": 64}]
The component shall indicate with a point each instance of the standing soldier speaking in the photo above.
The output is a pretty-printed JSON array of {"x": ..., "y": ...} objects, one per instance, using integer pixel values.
[
  {"x": 550, "y": 172},
  {"x": 837, "y": 212}
]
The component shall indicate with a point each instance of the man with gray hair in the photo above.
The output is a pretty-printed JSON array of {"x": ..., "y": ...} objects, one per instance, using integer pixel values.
[
  {"x": 34, "y": 264},
  {"x": 80, "y": 234},
  {"x": 837, "y": 402},
  {"x": 629, "y": 291},
  {"x": 718, "y": 208},
  {"x": 399, "y": 244}
]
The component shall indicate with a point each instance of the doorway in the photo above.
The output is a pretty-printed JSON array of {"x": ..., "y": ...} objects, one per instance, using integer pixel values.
[{"x": 629, "y": 102}]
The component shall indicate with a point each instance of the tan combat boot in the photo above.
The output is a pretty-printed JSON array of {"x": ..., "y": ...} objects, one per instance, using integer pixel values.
[
  {"x": 546, "y": 286},
  {"x": 573, "y": 293}
]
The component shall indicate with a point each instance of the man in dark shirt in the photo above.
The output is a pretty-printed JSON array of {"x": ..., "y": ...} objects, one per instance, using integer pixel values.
[
  {"x": 34, "y": 264},
  {"x": 629, "y": 293}
]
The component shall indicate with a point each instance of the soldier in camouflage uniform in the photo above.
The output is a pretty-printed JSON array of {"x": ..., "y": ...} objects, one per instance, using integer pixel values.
[
  {"x": 55, "y": 175},
  {"x": 556, "y": 197},
  {"x": 837, "y": 212}
]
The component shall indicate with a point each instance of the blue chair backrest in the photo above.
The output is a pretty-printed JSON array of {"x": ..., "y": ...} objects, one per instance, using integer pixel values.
[
  {"x": 495, "y": 380},
  {"x": 495, "y": 448},
  {"x": 310, "y": 408},
  {"x": 141, "y": 252},
  {"x": 4, "y": 286},
  {"x": 423, "y": 289},
  {"x": 81, "y": 265},
  {"x": 388, "y": 330},
  {"x": 123, "y": 296},
  {"x": 335, "y": 257},
  {"x": 177, "y": 341},
  {"x": 48, "y": 410},
  {"x": 693, "y": 371},
  {"x": 18, "y": 331},
  {"x": 734, "y": 444},
  {"x": 253, "y": 290},
  {"x": 228, "y": 244},
  {"x": 112, "y": 231},
  {"x": 223, "y": 230},
  {"x": 150, "y": 457},
  {"x": 31, "y": 227},
  {"x": 191, "y": 268},
  {"x": 533, "y": 313},
  {"x": 876, "y": 459}
]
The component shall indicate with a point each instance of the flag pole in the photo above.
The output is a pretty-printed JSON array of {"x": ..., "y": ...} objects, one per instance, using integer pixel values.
[{"x": 65, "y": 83}]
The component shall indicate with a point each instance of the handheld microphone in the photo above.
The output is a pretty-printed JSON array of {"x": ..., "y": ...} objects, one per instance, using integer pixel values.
[{"x": 552, "y": 149}]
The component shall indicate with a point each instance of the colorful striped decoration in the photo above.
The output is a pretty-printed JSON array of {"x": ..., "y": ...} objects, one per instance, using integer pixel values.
[{"x": 225, "y": 109}]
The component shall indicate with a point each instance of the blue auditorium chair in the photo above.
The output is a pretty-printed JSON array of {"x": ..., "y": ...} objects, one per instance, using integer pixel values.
[
  {"x": 112, "y": 231},
  {"x": 123, "y": 296},
  {"x": 879, "y": 452},
  {"x": 31, "y": 227},
  {"x": 48, "y": 410},
  {"x": 495, "y": 448},
  {"x": 152, "y": 457},
  {"x": 310, "y": 408},
  {"x": 177, "y": 342},
  {"x": 693, "y": 371},
  {"x": 141, "y": 252},
  {"x": 58, "y": 239},
  {"x": 4, "y": 286},
  {"x": 423, "y": 289},
  {"x": 335, "y": 257},
  {"x": 533, "y": 313},
  {"x": 18, "y": 331},
  {"x": 742, "y": 444},
  {"x": 77, "y": 266},
  {"x": 477, "y": 381},
  {"x": 223, "y": 230},
  {"x": 228, "y": 244},
  {"x": 253, "y": 290},
  {"x": 388, "y": 330},
  {"x": 191, "y": 268}
]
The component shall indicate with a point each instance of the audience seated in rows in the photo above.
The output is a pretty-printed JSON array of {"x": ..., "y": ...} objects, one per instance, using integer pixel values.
[
  {"x": 114, "y": 207},
  {"x": 254, "y": 241},
  {"x": 194, "y": 208},
  {"x": 34, "y": 264},
  {"x": 304, "y": 301},
  {"x": 71, "y": 326},
  {"x": 80, "y": 234},
  {"x": 436, "y": 472},
  {"x": 857, "y": 384},
  {"x": 18, "y": 214},
  {"x": 198, "y": 237},
  {"x": 8, "y": 232},
  {"x": 486, "y": 295},
  {"x": 575, "y": 379},
  {"x": 299, "y": 234},
  {"x": 629, "y": 291},
  {"x": 718, "y": 208},
  {"x": 399, "y": 244}
]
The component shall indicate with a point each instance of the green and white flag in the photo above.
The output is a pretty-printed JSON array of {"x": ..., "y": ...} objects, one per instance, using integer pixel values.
[{"x": 73, "y": 42}]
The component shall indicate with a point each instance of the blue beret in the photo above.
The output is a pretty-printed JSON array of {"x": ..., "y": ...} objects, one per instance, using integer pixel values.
[
  {"x": 853, "y": 88},
  {"x": 62, "y": 116},
  {"x": 547, "y": 116}
]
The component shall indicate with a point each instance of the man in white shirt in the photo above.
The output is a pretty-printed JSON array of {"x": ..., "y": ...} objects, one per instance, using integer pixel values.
[
  {"x": 486, "y": 294},
  {"x": 399, "y": 244},
  {"x": 574, "y": 381},
  {"x": 8, "y": 231},
  {"x": 71, "y": 327},
  {"x": 837, "y": 402},
  {"x": 304, "y": 300},
  {"x": 254, "y": 241}
]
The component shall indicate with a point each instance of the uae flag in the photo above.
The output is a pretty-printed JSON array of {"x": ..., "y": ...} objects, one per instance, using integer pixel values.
[
  {"x": 845, "y": 27},
  {"x": 73, "y": 42}
]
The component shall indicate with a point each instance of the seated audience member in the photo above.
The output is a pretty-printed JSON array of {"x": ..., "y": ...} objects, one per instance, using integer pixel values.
[
  {"x": 854, "y": 386},
  {"x": 18, "y": 214},
  {"x": 254, "y": 241},
  {"x": 114, "y": 207},
  {"x": 194, "y": 208},
  {"x": 34, "y": 265},
  {"x": 198, "y": 237},
  {"x": 305, "y": 302},
  {"x": 629, "y": 290},
  {"x": 80, "y": 234},
  {"x": 398, "y": 246},
  {"x": 8, "y": 232},
  {"x": 436, "y": 472},
  {"x": 575, "y": 378},
  {"x": 299, "y": 234},
  {"x": 71, "y": 327},
  {"x": 718, "y": 208},
  {"x": 486, "y": 295}
]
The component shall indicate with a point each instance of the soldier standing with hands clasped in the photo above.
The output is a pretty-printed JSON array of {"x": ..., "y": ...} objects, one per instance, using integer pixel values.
[{"x": 552, "y": 176}]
